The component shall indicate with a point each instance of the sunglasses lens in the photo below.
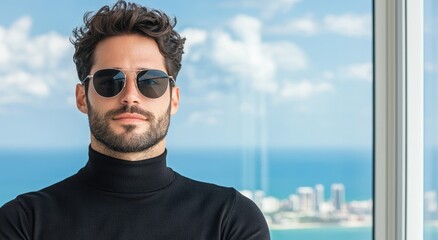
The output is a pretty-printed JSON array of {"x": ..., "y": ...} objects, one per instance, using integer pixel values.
[
  {"x": 152, "y": 83},
  {"x": 108, "y": 82}
]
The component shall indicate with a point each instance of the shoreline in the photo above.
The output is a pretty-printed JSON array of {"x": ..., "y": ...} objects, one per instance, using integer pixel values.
[
  {"x": 345, "y": 225},
  {"x": 298, "y": 226}
]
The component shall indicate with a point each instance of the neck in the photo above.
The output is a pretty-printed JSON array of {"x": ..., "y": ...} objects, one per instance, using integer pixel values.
[
  {"x": 151, "y": 152},
  {"x": 118, "y": 176}
]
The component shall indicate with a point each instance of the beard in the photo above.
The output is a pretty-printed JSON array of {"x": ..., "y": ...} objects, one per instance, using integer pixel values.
[{"x": 128, "y": 141}]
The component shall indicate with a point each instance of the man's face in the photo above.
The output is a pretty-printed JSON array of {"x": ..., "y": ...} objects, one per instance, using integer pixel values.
[{"x": 129, "y": 121}]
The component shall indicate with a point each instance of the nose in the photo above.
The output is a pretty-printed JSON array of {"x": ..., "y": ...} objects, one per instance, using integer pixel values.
[{"x": 130, "y": 94}]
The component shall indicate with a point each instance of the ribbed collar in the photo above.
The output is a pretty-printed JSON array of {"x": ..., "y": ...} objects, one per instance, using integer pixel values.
[{"x": 120, "y": 176}]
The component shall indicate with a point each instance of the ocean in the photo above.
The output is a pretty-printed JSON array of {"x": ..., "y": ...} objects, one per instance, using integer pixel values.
[
  {"x": 332, "y": 233},
  {"x": 27, "y": 170}
]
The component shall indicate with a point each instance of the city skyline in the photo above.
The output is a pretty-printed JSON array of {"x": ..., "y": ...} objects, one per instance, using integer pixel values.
[{"x": 303, "y": 209}]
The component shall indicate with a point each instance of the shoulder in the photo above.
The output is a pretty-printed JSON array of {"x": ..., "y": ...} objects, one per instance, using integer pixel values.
[
  {"x": 245, "y": 221},
  {"x": 17, "y": 217},
  {"x": 209, "y": 190},
  {"x": 14, "y": 221},
  {"x": 242, "y": 219},
  {"x": 29, "y": 202},
  {"x": 204, "y": 189}
]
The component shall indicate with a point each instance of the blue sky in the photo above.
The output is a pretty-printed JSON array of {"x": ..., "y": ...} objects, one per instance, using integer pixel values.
[
  {"x": 431, "y": 76},
  {"x": 301, "y": 68}
]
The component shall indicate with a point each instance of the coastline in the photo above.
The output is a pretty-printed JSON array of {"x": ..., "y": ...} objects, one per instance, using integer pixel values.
[{"x": 298, "y": 226}]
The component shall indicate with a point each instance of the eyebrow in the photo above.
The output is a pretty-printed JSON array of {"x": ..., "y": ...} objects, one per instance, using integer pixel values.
[{"x": 138, "y": 69}]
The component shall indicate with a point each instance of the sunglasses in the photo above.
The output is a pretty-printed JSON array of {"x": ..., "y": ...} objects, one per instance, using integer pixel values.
[{"x": 151, "y": 83}]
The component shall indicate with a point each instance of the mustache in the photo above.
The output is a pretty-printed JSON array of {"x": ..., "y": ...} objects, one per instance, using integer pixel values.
[{"x": 130, "y": 109}]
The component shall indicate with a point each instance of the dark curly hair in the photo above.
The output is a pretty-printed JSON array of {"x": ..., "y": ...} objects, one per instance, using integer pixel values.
[{"x": 127, "y": 18}]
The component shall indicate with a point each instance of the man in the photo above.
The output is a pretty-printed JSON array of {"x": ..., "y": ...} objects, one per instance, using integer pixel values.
[{"x": 127, "y": 59}]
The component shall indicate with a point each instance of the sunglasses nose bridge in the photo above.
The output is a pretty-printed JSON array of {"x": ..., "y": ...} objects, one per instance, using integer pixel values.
[{"x": 130, "y": 92}]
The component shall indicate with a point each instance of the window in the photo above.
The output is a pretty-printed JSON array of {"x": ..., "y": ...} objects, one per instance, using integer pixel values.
[{"x": 277, "y": 101}]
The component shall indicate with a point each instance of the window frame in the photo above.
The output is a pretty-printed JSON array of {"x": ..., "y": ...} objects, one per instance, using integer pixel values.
[{"x": 398, "y": 120}]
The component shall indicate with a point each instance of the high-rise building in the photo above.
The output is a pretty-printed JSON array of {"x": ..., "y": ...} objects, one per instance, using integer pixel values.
[
  {"x": 306, "y": 199},
  {"x": 338, "y": 196},
  {"x": 319, "y": 197},
  {"x": 295, "y": 202}
]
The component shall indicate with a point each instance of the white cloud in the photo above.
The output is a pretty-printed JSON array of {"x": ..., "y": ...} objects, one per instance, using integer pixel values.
[
  {"x": 304, "y": 89},
  {"x": 301, "y": 26},
  {"x": 19, "y": 86},
  {"x": 360, "y": 71},
  {"x": 286, "y": 55},
  {"x": 247, "y": 28},
  {"x": 244, "y": 54},
  {"x": 30, "y": 66},
  {"x": 47, "y": 50},
  {"x": 349, "y": 24},
  {"x": 228, "y": 52},
  {"x": 193, "y": 37}
]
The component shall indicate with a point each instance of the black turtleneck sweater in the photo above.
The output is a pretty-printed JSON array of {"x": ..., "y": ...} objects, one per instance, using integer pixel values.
[{"x": 116, "y": 199}]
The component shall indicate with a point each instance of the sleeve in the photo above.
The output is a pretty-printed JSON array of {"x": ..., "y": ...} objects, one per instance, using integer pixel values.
[
  {"x": 14, "y": 223},
  {"x": 245, "y": 221}
]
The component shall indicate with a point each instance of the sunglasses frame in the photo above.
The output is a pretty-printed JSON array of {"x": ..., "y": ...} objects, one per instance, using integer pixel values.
[{"x": 172, "y": 81}]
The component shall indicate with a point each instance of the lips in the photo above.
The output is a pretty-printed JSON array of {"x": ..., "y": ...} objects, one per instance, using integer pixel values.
[{"x": 130, "y": 117}]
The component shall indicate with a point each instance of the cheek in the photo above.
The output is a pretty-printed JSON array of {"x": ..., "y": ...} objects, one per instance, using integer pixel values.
[
  {"x": 100, "y": 105},
  {"x": 157, "y": 107}
]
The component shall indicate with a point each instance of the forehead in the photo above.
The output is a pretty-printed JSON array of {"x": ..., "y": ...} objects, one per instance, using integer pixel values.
[{"x": 131, "y": 51}]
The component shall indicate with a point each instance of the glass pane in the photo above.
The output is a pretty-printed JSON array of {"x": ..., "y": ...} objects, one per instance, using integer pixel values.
[
  {"x": 283, "y": 92},
  {"x": 276, "y": 101},
  {"x": 430, "y": 119}
]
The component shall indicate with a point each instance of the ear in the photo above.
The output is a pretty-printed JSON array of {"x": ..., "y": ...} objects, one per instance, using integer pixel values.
[
  {"x": 81, "y": 99},
  {"x": 174, "y": 102}
]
